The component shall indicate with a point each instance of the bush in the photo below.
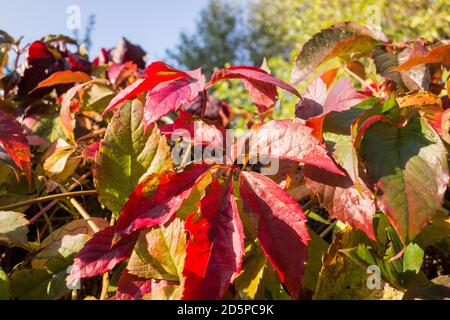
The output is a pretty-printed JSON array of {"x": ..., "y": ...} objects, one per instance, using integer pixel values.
[{"x": 132, "y": 174}]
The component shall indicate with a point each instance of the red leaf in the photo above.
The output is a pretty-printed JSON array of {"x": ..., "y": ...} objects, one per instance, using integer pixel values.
[
  {"x": 282, "y": 228},
  {"x": 171, "y": 96},
  {"x": 343, "y": 200},
  {"x": 38, "y": 50},
  {"x": 129, "y": 93},
  {"x": 62, "y": 77},
  {"x": 199, "y": 132},
  {"x": 439, "y": 54},
  {"x": 288, "y": 140},
  {"x": 216, "y": 245},
  {"x": 156, "y": 73},
  {"x": 118, "y": 72},
  {"x": 90, "y": 151},
  {"x": 260, "y": 85},
  {"x": 100, "y": 255},
  {"x": 148, "y": 208},
  {"x": 317, "y": 102},
  {"x": 131, "y": 287},
  {"x": 15, "y": 143}
]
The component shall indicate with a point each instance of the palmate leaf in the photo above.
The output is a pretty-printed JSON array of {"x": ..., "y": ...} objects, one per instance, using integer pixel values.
[
  {"x": 339, "y": 40},
  {"x": 36, "y": 284},
  {"x": 409, "y": 165},
  {"x": 282, "y": 228},
  {"x": 129, "y": 151},
  {"x": 153, "y": 203},
  {"x": 157, "y": 198},
  {"x": 216, "y": 245}
]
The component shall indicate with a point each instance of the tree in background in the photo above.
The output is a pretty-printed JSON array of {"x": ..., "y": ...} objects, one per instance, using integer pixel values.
[
  {"x": 218, "y": 38},
  {"x": 278, "y": 27},
  {"x": 228, "y": 32}
]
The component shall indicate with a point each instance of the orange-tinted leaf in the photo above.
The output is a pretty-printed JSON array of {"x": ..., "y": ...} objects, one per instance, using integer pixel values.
[
  {"x": 439, "y": 54},
  {"x": 63, "y": 77}
]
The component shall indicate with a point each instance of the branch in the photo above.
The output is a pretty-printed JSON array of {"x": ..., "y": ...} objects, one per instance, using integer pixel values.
[{"x": 48, "y": 198}]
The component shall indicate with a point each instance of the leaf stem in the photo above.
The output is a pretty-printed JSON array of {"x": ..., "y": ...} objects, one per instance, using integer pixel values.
[
  {"x": 328, "y": 229},
  {"x": 54, "y": 202},
  {"x": 84, "y": 214},
  {"x": 48, "y": 198},
  {"x": 360, "y": 80}
]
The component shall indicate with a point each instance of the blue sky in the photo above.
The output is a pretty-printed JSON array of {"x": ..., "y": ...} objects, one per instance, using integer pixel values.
[{"x": 153, "y": 24}]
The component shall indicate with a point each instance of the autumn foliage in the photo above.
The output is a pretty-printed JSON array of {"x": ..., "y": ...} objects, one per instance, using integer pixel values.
[{"x": 120, "y": 181}]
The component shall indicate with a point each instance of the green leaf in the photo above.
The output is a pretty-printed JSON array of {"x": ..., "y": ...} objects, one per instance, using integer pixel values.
[
  {"x": 34, "y": 284},
  {"x": 4, "y": 285},
  {"x": 13, "y": 229},
  {"x": 59, "y": 254},
  {"x": 340, "y": 277},
  {"x": 126, "y": 155},
  {"x": 412, "y": 258},
  {"x": 436, "y": 289},
  {"x": 317, "y": 247},
  {"x": 248, "y": 282},
  {"x": 339, "y": 40},
  {"x": 385, "y": 63},
  {"x": 159, "y": 253},
  {"x": 409, "y": 165},
  {"x": 96, "y": 97}
]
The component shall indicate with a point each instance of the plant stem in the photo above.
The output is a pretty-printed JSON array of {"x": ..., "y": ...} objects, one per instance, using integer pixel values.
[
  {"x": 105, "y": 277},
  {"x": 328, "y": 229},
  {"x": 362, "y": 81},
  {"x": 84, "y": 214},
  {"x": 48, "y": 198},
  {"x": 54, "y": 202}
]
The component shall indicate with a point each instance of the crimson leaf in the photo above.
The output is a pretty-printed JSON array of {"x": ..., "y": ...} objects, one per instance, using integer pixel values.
[
  {"x": 282, "y": 228},
  {"x": 157, "y": 198},
  {"x": 260, "y": 85},
  {"x": 216, "y": 245},
  {"x": 156, "y": 73},
  {"x": 15, "y": 143}
]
